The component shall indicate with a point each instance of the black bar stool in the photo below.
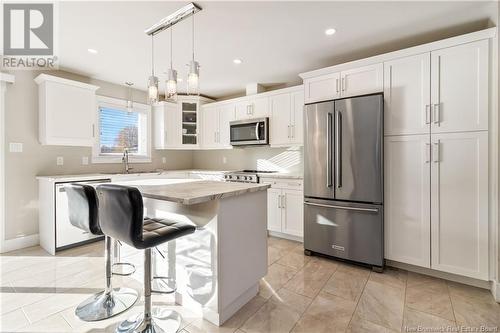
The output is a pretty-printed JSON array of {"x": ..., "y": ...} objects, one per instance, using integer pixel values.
[
  {"x": 83, "y": 214},
  {"x": 121, "y": 215}
]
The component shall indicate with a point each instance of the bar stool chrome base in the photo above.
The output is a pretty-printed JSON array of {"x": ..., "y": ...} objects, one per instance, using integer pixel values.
[
  {"x": 101, "y": 306},
  {"x": 162, "y": 321}
]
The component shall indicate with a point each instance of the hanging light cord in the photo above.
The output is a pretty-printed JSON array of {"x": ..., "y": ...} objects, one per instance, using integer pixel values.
[
  {"x": 152, "y": 56},
  {"x": 193, "y": 37},
  {"x": 171, "y": 41}
]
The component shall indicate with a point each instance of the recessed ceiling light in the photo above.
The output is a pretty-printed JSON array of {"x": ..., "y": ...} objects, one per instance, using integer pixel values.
[
  {"x": 237, "y": 61},
  {"x": 93, "y": 51},
  {"x": 330, "y": 31}
]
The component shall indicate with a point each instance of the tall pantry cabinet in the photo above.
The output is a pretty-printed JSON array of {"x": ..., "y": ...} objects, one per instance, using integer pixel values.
[{"x": 436, "y": 159}]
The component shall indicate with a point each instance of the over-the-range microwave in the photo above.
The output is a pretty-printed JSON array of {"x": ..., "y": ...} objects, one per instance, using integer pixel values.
[{"x": 249, "y": 132}]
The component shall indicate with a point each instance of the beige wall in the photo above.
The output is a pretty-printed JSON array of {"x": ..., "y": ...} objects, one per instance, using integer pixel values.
[
  {"x": 262, "y": 158},
  {"x": 21, "y": 121}
]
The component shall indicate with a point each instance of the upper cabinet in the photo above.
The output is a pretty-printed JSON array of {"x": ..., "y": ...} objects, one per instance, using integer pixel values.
[
  {"x": 67, "y": 111},
  {"x": 356, "y": 81},
  {"x": 407, "y": 94},
  {"x": 287, "y": 111},
  {"x": 177, "y": 124},
  {"x": 215, "y": 125},
  {"x": 460, "y": 88},
  {"x": 252, "y": 107},
  {"x": 362, "y": 80}
]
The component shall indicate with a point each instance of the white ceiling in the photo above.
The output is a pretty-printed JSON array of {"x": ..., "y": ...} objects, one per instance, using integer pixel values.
[{"x": 275, "y": 40}]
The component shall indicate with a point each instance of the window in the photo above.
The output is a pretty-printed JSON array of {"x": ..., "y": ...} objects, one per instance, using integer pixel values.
[{"x": 119, "y": 129}]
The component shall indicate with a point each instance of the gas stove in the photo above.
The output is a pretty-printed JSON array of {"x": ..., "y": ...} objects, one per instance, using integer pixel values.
[{"x": 245, "y": 176}]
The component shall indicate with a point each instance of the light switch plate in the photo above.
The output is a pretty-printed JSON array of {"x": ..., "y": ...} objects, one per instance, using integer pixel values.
[
  {"x": 15, "y": 147},
  {"x": 60, "y": 160},
  {"x": 85, "y": 160},
  {"x": 164, "y": 160}
]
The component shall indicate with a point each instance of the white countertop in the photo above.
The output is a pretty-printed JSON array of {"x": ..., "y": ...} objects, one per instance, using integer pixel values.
[{"x": 191, "y": 191}]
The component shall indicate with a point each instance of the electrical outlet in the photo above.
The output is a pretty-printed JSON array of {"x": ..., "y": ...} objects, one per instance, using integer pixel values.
[
  {"x": 15, "y": 147},
  {"x": 85, "y": 160},
  {"x": 164, "y": 160},
  {"x": 224, "y": 159},
  {"x": 60, "y": 160}
]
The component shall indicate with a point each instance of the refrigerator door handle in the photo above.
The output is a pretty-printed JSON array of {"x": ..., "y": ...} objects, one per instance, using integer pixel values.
[
  {"x": 329, "y": 182},
  {"x": 372, "y": 210},
  {"x": 338, "y": 150}
]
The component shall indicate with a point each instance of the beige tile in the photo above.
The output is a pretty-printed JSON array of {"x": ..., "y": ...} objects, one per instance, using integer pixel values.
[
  {"x": 431, "y": 283},
  {"x": 245, "y": 312},
  {"x": 311, "y": 278},
  {"x": 295, "y": 301},
  {"x": 326, "y": 314},
  {"x": 282, "y": 244},
  {"x": 12, "y": 301},
  {"x": 435, "y": 302},
  {"x": 475, "y": 312},
  {"x": 54, "y": 323},
  {"x": 347, "y": 283},
  {"x": 277, "y": 275},
  {"x": 203, "y": 326},
  {"x": 272, "y": 317},
  {"x": 391, "y": 276},
  {"x": 382, "y": 305},
  {"x": 414, "y": 320},
  {"x": 364, "y": 326},
  {"x": 293, "y": 260},
  {"x": 273, "y": 255},
  {"x": 459, "y": 289},
  {"x": 51, "y": 305},
  {"x": 13, "y": 320}
]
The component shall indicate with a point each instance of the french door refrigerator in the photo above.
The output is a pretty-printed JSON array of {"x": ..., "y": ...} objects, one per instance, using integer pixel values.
[{"x": 343, "y": 179}]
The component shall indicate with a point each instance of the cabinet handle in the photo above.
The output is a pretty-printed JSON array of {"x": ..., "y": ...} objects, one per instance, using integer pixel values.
[
  {"x": 427, "y": 113},
  {"x": 166, "y": 136},
  {"x": 93, "y": 130},
  {"x": 215, "y": 136},
  {"x": 279, "y": 201},
  {"x": 293, "y": 131},
  {"x": 343, "y": 84},
  {"x": 427, "y": 152},
  {"x": 283, "y": 203},
  {"x": 436, "y": 154},
  {"x": 337, "y": 85},
  {"x": 436, "y": 116},
  {"x": 288, "y": 132}
]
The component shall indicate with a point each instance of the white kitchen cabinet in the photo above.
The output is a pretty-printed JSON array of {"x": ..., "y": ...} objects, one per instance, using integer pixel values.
[
  {"x": 322, "y": 88},
  {"x": 167, "y": 123},
  {"x": 407, "y": 199},
  {"x": 407, "y": 85},
  {"x": 460, "y": 88},
  {"x": 362, "y": 80},
  {"x": 352, "y": 82},
  {"x": 285, "y": 201},
  {"x": 252, "y": 107},
  {"x": 215, "y": 125},
  {"x": 459, "y": 196},
  {"x": 287, "y": 111},
  {"x": 292, "y": 221},
  {"x": 66, "y": 111}
]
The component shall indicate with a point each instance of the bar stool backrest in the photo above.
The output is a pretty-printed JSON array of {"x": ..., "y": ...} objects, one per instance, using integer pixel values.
[
  {"x": 83, "y": 207},
  {"x": 121, "y": 212}
]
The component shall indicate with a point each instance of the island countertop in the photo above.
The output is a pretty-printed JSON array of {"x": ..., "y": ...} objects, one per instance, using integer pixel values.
[{"x": 191, "y": 191}]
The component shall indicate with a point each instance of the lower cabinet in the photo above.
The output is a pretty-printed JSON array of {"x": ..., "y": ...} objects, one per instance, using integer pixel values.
[
  {"x": 285, "y": 204},
  {"x": 436, "y": 198}
]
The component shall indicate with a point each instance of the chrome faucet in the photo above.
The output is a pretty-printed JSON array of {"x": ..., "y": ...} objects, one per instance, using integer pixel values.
[{"x": 125, "y": 160}]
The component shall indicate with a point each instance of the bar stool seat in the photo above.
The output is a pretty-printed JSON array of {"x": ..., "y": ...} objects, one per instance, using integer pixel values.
[{"x": 121, "y": 213}]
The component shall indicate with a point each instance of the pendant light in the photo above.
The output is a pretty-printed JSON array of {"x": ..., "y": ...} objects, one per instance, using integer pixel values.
[
  {"x": 193, "y": 79},
  {"x": 130, "y": 97},
  {"x": 153, "y": 80},
  {"x": 171, "y": 84}
]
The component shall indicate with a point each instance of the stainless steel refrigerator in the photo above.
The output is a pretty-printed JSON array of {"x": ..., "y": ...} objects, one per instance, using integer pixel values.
[{"x": 343, "y": 179}]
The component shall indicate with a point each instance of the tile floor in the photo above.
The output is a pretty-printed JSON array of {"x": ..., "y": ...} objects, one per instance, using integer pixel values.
[{"x": 299, "y": 294}]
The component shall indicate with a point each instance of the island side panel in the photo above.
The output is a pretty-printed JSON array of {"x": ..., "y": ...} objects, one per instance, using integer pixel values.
[{"x": 242, "y": 249}]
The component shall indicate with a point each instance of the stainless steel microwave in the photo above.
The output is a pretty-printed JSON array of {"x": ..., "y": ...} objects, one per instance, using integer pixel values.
[{"x": 249, "y": 132}]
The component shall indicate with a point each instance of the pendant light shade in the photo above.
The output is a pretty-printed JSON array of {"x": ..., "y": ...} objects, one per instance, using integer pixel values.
[
  {"x": 153, "y": 80},
  {"x": 193, "y": 79},
  {"x": 130, "y": 97},
  {"x": 171, "y": 83}
]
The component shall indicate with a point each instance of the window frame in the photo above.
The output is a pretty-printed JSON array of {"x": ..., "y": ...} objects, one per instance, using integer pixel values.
[{"x": 121, "y": 104}]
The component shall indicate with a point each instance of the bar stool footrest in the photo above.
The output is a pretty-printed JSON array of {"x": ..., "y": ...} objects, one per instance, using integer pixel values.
[
  {"x": 122, "y": 269},
  {"x": 163, "y": 285}
]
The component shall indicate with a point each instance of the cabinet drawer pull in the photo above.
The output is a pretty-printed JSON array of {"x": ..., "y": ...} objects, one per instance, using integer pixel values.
[
  {"x": 437, "y": 152},
  {"x": 436, "y": 116},
  {"x": 372, "y": 210},
  {"x": 427, "y": 113}
]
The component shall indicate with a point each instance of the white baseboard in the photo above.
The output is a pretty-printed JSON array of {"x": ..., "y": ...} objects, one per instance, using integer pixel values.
[
  {"x": 495, "y": 290},
  {"x": 286, "y": 236},
  {"x": 19, "y": 243}
]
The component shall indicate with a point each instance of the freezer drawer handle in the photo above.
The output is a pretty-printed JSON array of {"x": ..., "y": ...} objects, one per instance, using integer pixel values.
[{"x": 373, "y": 210}]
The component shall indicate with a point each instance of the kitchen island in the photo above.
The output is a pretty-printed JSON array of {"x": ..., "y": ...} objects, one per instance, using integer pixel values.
[{"x": 218, "y": 268}]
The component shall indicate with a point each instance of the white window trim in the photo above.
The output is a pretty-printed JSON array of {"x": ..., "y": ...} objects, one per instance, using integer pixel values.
[{"x": 120, "y": 104}]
